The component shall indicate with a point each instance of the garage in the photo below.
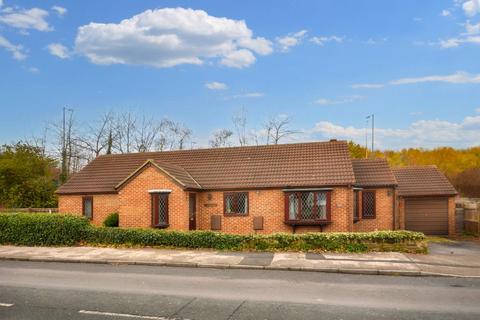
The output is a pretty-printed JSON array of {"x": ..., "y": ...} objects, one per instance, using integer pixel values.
[
  {"x": 427, "y": 215},
  {"x": 426, "y": 200}
]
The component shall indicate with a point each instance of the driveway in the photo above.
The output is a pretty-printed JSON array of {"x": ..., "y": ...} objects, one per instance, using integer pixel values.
[{"x": 464, "y": 248}]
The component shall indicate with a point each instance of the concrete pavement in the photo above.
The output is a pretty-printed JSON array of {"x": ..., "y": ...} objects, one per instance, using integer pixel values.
[
  {"x": 38, "y": 290},
  {"x": 466, "y": 264}
]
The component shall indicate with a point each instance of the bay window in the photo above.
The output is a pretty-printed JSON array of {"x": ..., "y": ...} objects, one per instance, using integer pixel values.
[{"x": 307, "y": 207}]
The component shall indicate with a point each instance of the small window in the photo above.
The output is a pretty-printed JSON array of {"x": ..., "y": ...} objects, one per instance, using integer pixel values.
[
  {"x": 160, "y": 210},
  {"x": 356, "y": 205},
  {"x": 368, "y": 205},
  {"x": 87, "y": 207},
  {"x": 235, "y": 203}
]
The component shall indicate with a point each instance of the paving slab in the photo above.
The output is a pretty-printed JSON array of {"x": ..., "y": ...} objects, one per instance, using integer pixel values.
[
  {"x": 374, "y": 256},
  {"x": 372, "y": 263}
]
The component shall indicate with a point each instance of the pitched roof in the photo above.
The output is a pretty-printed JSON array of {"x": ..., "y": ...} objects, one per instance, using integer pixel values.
[
  {"x": 286, "y": 165},
  {"x": 422, "y": 181},
  {"x": 178, "y": 174},
  {"x": 373, "y": 173}
]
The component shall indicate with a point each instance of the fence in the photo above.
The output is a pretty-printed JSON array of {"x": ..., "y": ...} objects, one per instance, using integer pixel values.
[
  {"x": 32, "y": 210},
  {"x": 471, "y": 218}
]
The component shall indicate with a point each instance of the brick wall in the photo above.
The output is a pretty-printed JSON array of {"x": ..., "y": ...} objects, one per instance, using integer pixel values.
[
  {"x": 451, "y": 217},
  {"x": 135, "y": 200},
  {"x": 383, "y": 214},
  {"x": 270, "y": 205},
  {"x": 103, "y": 205},
  {"x": 133, "y": 203}
]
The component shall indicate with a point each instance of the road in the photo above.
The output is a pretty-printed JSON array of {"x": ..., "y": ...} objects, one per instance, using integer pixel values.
[{"x": 39, "y": 290}]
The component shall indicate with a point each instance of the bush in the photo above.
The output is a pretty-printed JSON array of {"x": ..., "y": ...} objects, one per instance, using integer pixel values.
[
  {"x": 54, "y": 229},
  {"x": 111, "y": 220},
  {"x": 42, "y": 229}
]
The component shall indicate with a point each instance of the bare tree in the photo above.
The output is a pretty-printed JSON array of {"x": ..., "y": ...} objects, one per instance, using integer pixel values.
[
  {"x": 221, "y": 138},
  {"x": 240, "y": 122},
  {"x": 172, "y": 135},
  {"x": 145, "y": 135},
  {"x": 125, "y": 127},
  {"x": 277, "y": 129},
  {"x": 99, "y": 137}
]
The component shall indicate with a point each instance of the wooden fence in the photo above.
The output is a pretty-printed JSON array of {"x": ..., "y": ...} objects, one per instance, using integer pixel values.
[
  {"x": 471, "y": 218},
  {"x": 32, "y": 210}
]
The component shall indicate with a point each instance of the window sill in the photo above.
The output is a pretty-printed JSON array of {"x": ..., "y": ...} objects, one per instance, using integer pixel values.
[
  {"x": 161, "y": 225},
  {"x": 368, "y": 218},
  {"x": 235, "y": 214},
  {"x": 355, "y": 220},
  {"x": 308, "y": 222}
]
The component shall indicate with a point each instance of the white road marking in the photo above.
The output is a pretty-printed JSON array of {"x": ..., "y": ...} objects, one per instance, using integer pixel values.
[
  {"x": 125, "y": 315},
  {"x": 6, "y": 304}
]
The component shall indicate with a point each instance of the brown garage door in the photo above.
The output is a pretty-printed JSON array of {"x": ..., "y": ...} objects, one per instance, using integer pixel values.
[{"x": 427, "y": 215}]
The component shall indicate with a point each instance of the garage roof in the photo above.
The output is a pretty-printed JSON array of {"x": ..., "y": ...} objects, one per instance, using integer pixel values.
[{"x": 422, "y": 181}]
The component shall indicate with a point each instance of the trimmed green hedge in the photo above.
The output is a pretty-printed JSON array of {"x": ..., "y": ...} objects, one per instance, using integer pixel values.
[
  {"x": 42, "y": 229},
  {"x": 54, "y": 229}
]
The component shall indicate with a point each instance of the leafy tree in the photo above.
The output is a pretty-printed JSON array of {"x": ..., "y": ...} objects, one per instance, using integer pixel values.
[{"x": 26, "y": 177}]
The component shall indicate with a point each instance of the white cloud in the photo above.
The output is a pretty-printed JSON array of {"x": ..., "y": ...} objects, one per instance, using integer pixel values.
[
  {"x": 61, "y": 11},
  {"x": 349, "y": 99},
  {"x": 33, "y": 70},
  {"x": 477, "y": 110},
  {"x": 422, "y": 133},
  {"x": 367, "y": 86},
  {"x": 372, "y": 41},
  {"x": 25, "y": 19},
  {"x": 247, "y": 95},
  {"x": 322, "y": 40},
  {"x": 290, "y": 40},
  {"x": 458, "y": 77},
  {"x": 171, "y": 36},
  {"x": 17, "y": 51},
  {"x": 445, "y": 13},
  {"x": 214, "y": 85},
  {"x": 59, "y": 50},
  {"x": 238, "y": 59},
  {"x": 471, "y": 7},
  {"x": 472, "y": 28},
  {"x": 455, "y": 42}
]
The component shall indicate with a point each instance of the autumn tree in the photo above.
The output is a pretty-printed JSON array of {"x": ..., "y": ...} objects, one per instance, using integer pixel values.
[{"x": 27, "y": 177}]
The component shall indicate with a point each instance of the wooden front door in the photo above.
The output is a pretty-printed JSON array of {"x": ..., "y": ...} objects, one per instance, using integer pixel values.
[{"x": 192, "y": 214}]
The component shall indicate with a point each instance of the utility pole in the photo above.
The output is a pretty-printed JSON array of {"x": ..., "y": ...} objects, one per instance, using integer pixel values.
[
  {"x": 373, "y": 133},
  {"x": 64, "y": 173},
  {"x": 372, "y": 116}
]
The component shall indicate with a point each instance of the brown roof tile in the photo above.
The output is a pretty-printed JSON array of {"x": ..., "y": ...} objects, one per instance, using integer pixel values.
[
  {"x": 422, "y": 181},
  {"x": 373, "y": 173},
  {"x": 285, "y": 165}
]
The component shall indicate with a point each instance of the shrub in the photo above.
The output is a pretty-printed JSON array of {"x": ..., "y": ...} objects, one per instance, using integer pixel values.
[
  {"x": 54, "y": 229},
  {"x": 111, "y": 220},
  {"x": 42, "y": 229}
]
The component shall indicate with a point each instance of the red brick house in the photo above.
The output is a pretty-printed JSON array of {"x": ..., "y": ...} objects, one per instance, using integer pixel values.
[{"x": 259, "y": 189}]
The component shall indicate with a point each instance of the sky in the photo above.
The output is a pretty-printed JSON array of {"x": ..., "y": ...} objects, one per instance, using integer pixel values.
[{"x": 325, "y": 64}]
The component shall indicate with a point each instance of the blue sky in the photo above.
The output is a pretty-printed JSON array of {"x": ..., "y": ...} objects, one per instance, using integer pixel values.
[{"x": 326, "y": 64}]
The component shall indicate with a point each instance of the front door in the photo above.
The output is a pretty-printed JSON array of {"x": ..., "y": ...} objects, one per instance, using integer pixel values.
[{"x": 193, "y": 212}]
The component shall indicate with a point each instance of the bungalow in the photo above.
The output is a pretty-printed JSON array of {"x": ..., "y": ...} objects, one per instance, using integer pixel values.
[{"x": 255, "y": 189}]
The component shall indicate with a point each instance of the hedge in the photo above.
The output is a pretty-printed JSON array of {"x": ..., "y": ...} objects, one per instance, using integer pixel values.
[
  {"x": 42, "y": 229},
  {"x": 54, "y": 229},
  {"x": 111, "y": 220}
]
